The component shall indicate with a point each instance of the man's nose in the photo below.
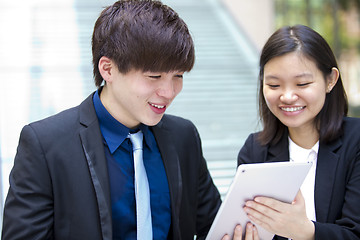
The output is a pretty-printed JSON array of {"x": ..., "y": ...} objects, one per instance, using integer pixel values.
[{"x": 167, "y": 89}]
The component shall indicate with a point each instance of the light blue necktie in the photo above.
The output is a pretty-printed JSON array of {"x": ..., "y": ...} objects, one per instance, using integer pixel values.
[{"x": 142, "y": 192}]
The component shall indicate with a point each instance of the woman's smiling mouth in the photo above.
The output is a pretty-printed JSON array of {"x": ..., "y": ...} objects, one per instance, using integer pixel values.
[{"x": 291, "y": 109}]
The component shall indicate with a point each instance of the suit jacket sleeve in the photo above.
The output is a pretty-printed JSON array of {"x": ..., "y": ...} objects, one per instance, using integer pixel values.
[
  {"x": 347, "y": 224},
  {"x": 28, "y": 212},
  {"x": 199, "y": 191},
  {"x": 208, "y": 198},
  {"x": 195, "y": 198},
  {"x": 342, "y": 219}
]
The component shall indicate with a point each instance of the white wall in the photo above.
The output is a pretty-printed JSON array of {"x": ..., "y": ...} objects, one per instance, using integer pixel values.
[{"x": 255, "y": 17}]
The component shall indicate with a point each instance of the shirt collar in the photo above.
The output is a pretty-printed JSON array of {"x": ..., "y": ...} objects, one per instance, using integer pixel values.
[
  {"x": 148, "y": 136},
  {"x": 113, "y": 131},
  {"x": 301, "y": 154}
]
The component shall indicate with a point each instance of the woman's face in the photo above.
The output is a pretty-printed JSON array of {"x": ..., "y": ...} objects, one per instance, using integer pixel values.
[{"x": 294, "y": 90}]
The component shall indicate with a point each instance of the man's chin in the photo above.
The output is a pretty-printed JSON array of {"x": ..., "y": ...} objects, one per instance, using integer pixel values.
[{"x": 153, "y": 122}]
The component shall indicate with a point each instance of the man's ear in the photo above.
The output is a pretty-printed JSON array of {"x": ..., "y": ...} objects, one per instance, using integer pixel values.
[{"x": 106, "y": 66}]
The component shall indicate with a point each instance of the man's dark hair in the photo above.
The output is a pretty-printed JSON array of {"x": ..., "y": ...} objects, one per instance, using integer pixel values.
[{"x": 142, "y": 35}]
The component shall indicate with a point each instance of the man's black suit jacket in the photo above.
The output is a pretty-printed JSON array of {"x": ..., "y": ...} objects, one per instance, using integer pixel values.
[
  {"x": 337, "y": 181},
  {"x": 59, "y": 186}
]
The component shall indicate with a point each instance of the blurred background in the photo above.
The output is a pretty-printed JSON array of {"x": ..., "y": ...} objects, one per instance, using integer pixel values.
[{"x": 45, "y": 65}]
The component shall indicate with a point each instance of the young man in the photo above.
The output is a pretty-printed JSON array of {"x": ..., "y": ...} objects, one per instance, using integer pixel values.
[{"x": 73, "y": 175}]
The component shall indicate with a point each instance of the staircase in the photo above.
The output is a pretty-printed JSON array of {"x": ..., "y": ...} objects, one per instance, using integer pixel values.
[
  {"x": 53, "y": 71},
  {"x": 219, "y": 94}
]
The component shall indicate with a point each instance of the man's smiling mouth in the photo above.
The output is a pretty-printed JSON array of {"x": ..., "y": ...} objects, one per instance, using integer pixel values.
[{"x": 157, "y": 106}]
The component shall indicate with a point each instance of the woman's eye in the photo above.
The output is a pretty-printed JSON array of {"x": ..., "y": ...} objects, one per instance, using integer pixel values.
[
  {"x": 303, "y": 84},
  {"x": 179, "y": 76},
  {"x": 273, "y": 85}
]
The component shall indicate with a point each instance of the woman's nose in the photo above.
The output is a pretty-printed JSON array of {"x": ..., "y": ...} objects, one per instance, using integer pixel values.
[{"x": 289, "y": 96}]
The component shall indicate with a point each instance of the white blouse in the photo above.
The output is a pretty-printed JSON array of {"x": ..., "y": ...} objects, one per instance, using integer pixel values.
[{"x": 299, "y": 154}]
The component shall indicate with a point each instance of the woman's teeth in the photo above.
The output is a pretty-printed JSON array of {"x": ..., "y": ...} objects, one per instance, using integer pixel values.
[{"x": 291, "y": 109}]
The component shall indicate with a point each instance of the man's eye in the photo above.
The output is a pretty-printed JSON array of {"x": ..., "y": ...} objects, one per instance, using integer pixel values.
[
  {"x": 179, "y": 76},
  {"x": 155, "y": 76},
  {"x": 303, "y": 84}
]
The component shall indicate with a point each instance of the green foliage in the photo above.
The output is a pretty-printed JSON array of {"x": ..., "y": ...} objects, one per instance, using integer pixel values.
[
  {"x": 354, "y": 111},
  {"x": 347, "y": 4},
  {"x": 321, "y": 15}
]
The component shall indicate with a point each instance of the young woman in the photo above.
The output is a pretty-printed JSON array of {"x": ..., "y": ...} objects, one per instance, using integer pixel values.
[{"x": 303, "y": 108}]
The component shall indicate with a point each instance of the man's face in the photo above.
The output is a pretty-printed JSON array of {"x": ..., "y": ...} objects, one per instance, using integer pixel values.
[{"x": 140, "y": 97}]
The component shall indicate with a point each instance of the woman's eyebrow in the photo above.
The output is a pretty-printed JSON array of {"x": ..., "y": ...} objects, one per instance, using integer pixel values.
[{"x": 304, "y": 75}]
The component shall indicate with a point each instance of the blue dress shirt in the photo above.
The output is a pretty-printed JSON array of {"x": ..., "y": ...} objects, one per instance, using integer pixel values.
[{"x": 118, "y": 151}]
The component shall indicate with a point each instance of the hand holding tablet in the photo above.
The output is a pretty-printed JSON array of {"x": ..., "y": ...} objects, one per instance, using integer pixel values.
[{"x": 278, "y": 180}]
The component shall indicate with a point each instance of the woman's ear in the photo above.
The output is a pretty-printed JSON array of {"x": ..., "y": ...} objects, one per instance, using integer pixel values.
[
  {"x": 105, "y": 66},
  {"x": 332, "y": 79}
]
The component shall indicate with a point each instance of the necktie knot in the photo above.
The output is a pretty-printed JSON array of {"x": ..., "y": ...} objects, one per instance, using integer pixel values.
[{"x": 136, "y": 140}]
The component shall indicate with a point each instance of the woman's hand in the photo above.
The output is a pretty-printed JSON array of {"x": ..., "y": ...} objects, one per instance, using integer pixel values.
[
  {"x": 283, "y": 219},
  {"x": 251, "y": 233}
]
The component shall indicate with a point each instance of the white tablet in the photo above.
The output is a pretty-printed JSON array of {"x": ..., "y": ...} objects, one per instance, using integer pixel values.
[{"x": 279, "y": 180}]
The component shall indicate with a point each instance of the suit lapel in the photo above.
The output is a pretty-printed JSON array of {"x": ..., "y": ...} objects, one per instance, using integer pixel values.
[
  {"x": 93, "y": 147},
  {"x": 325, "y": 176},
  {"x": 172, "y": 167},
  {"x": 280, "y": 151}
]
